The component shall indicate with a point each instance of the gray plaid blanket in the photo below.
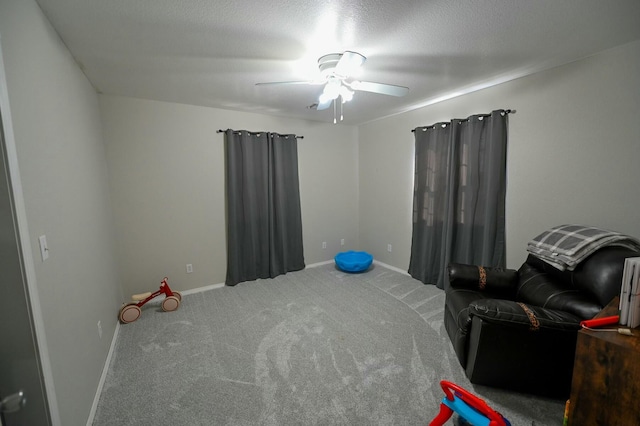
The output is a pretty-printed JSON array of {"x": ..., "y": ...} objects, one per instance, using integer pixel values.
[{"x": 565, "y": 246}]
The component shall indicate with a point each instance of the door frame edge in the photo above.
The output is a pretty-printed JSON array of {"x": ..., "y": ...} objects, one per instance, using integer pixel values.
[{"x": 25, "y": 247}]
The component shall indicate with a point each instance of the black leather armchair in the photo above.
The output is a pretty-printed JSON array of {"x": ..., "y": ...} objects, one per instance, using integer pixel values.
[{"x": 517, "y": 329}]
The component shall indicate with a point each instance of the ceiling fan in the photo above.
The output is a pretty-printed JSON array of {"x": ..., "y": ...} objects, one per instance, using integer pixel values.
[{"x": 337, "y": 74}]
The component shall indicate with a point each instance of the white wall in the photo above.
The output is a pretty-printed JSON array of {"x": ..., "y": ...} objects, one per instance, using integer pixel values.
[
  {"x": 574, "y": 154},
  {"x": 166, "y": 166},
  {"x": 56, "y": 124}
]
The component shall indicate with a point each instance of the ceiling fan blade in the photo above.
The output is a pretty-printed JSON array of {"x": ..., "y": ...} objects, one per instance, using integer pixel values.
[
  {"x": 324, "y": 105},
  {"x": 383, "y": 89},
  {"x": 349, "y": 63},
  {"x": 274, "y": 83}
]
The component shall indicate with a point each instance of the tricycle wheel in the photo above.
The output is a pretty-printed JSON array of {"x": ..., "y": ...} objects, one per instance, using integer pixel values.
[
  {"x": 178, "y": 295},
  {"x": 129, "y": 313},
  {"x": 171, "y": 303}
]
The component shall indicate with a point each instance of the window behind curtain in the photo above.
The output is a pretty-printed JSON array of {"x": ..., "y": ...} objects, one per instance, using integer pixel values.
[
  {"x": 459, "y": 195},
  {"x": 264, "y": 225}
]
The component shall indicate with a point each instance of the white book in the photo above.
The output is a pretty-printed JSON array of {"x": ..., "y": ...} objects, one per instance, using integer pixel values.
[
  {"x": 634, "y": 300},
  {"x": 625, "y": 289}
]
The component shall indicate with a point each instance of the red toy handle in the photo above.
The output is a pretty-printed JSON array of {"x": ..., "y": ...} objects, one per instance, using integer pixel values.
[
  {"x": 444, "y": 415},
  {"x": 475, "y": 402},
  {"x": 599, "y": 322}
]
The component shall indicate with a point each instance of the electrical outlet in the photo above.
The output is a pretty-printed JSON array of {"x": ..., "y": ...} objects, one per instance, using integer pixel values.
[
  {"x": 189, "y": 268},
  {"x": 99, "y": 329},
  {"x": 389, "y": 248},
  {"x": 324, "y": 244},
  {"x": 342, "y": 242}
]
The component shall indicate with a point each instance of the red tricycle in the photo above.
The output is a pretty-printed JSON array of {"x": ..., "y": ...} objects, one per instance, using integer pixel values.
[{"x": 131, "y": 311}]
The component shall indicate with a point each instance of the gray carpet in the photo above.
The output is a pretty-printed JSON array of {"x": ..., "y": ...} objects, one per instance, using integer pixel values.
[{"x": 314, "y": 347}]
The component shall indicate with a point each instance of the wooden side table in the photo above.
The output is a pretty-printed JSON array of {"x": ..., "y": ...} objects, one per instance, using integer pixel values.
[{"x": 605, "y": 387}]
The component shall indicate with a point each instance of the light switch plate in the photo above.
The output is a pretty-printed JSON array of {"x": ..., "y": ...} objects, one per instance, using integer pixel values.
[{"x": 44, "y": 250}]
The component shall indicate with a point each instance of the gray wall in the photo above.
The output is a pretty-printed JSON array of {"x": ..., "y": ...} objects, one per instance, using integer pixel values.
[
  {"x": 574, "y": 152},
  {"x": 56, "y": 124},
  {"x": 166, "y": 166}
]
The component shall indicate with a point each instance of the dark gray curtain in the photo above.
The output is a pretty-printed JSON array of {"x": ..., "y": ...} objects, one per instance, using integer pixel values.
[
  {"x": 264, "y": 225},
  {"x": 459, "y": 195}
]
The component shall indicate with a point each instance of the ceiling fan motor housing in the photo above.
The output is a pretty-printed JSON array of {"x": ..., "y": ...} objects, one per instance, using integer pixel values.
[{"x": 328, "y": 64}]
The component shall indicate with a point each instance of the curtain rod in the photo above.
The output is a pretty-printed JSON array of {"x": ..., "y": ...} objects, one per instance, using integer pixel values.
[
  {"x": 506, "y": 111},
  {"x": 254, "y": 133}
]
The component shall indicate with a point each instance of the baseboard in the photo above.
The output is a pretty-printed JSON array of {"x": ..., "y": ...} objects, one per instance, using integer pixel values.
[
  {"x": 220, "y": 285},
  {"x": 103, "y": 376},
  {"x": 393, "y": 268},
  {"x": 201, "y": 289},
  {"x": 315, "y": 265},
  {"x": 215, "y": 286}
]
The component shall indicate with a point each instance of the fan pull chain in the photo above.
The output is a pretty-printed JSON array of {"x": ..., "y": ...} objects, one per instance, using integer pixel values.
[
  {"x": 341, "y": 112},
  {"x": 334, "y": 112}
]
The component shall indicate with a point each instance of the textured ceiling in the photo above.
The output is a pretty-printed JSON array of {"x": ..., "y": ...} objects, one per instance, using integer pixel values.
[{"x": 212, "y": 52}]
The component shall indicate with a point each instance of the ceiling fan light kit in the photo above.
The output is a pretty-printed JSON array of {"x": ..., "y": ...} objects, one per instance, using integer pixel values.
[
  {"x": 338, "y": 71},
  {"x": 334, "y": 89}
]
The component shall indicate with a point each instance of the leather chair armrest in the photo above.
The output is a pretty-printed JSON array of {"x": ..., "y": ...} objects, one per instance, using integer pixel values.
[
  {"x": 497, "y": 281},
  {"x": 520, "y": 315}
]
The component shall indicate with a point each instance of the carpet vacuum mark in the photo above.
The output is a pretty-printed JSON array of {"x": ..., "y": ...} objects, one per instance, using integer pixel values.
[{"x": 313, "y": 347}]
